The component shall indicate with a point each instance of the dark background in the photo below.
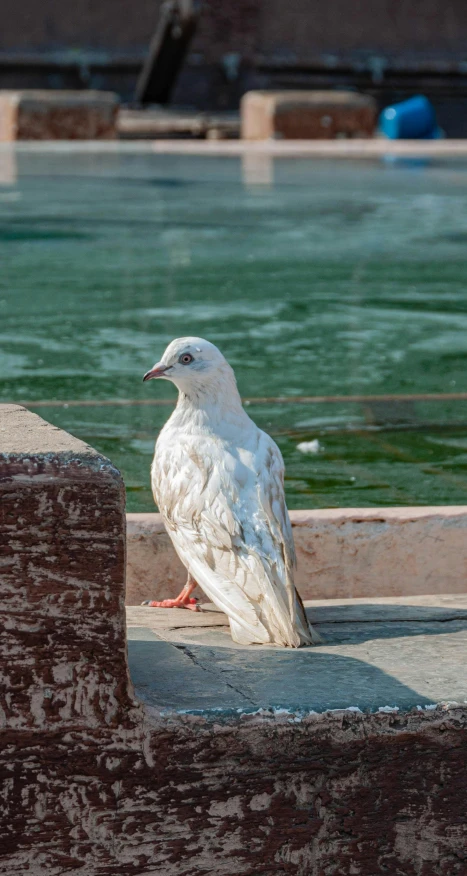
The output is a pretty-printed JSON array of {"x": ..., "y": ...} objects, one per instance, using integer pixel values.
[{"x": 389, "y": 48}]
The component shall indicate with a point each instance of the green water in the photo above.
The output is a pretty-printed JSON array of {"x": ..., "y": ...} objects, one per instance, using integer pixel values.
[{"x": 313, "y": 277}]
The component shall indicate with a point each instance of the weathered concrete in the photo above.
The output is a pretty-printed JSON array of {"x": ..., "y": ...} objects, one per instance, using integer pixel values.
[
  {"x": 95, "y": 784},
  {"x": 307, "y": 115},
  {"x": 347, "y": 552},
  {"x": 62, "y": 555},
  {"x": 58, "y": 115},
  {"x": 65, "y": 696}
]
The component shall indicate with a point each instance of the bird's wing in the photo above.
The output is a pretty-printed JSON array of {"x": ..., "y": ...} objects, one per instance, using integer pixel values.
[
  {"x": 271, "y": 498},
  {"x": 228, "y": 521},
  {"x": 271, "y": 495}
]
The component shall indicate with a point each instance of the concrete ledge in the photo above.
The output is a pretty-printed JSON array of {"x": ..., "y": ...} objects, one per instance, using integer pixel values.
[
  {"x": 307, "y": 115},
  {"x": 344, "y": 553},
  {"x": 58, "y": 115},
  {"x": 353, "y": 149}
]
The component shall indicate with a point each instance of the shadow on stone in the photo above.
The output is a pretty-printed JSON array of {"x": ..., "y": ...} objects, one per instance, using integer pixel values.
[
  {"x": 361, "y": 622},
  {"x": 359, "y": 611},
  {"x": 196, "y": 677}
]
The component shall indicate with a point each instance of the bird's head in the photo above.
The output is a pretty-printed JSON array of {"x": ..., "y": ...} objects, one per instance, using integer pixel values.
[{"x": 194, "y": 365}]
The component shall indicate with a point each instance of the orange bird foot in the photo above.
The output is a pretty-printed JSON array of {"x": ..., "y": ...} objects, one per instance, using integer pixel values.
[{"x": 186, "y": 602}]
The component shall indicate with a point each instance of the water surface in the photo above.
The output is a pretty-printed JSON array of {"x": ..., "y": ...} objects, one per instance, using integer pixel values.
[{"x": 314, "y": 277}]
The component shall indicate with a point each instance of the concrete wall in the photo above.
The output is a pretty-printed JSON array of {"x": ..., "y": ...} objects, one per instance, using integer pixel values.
[
  {"x": 344, "y": 553},
  {"x": 297, "y": 28},
  {"x": 92, "y": 783}
]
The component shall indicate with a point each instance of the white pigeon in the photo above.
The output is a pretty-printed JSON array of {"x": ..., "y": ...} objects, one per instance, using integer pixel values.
[{"x": 219, "y": 483}]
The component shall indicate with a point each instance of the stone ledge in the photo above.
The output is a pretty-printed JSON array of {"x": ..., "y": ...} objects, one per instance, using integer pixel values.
[
  {"x": 342, "y": 553},
  {"x": 58, "y": 115},
  {"x": 357, "y": 643},
  {"x": 359, "y": 148}
]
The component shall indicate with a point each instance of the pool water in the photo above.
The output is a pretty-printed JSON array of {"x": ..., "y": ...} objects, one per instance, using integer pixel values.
[{"x": 314, "y": 277}]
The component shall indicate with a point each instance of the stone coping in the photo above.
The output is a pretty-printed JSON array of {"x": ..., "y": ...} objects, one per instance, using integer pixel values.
[
  {"x": 25, "y": 433},
  {"x": 351, "y": 148},
  {"x": 341, "y": 552},
  {"x": 307, "y": 516},
  {"x": 59, "y": 97}
]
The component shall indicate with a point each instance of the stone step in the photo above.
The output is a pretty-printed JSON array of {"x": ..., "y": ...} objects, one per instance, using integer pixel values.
[{"x": 376, "y": 654}]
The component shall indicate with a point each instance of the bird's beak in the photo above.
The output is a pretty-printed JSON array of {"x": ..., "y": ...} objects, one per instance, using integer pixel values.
[{"x": 158, "y": 371}]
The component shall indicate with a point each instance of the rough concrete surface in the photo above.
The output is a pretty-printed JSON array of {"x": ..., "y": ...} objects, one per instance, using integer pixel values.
[
  {"x": 95, "y": 783},
  {"x": 23, "y": 433},
  {"x": 341, "y": 553},
  {"x": 58, "y": 115}
]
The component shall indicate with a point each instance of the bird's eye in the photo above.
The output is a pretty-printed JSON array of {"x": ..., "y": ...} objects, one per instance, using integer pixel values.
[{"x": 186, "y": 358}]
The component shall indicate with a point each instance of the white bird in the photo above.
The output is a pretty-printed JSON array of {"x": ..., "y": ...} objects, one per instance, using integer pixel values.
[{"x": 219, "y": 483}]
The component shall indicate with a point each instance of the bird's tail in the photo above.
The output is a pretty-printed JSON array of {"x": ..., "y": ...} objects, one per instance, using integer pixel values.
[{"x": 308, "y": 634}]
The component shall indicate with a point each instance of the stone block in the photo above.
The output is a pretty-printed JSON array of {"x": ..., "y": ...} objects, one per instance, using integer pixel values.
[
  {"x": 62, "y": 578},
  {"x": 58, "y": 115},
  {"x": 341, "y": 553},
  {"x": 307, "y": 115}
]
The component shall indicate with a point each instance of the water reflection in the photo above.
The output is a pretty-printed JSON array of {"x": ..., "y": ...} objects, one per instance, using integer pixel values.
[{"x": 257, "y": 169}]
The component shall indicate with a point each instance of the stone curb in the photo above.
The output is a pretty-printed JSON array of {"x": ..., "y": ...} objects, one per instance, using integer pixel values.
[{"x": 342, "y": 553}]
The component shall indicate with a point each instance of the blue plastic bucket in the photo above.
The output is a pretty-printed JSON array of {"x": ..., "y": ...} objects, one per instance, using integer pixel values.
[{"x": 412, "y": 119}]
